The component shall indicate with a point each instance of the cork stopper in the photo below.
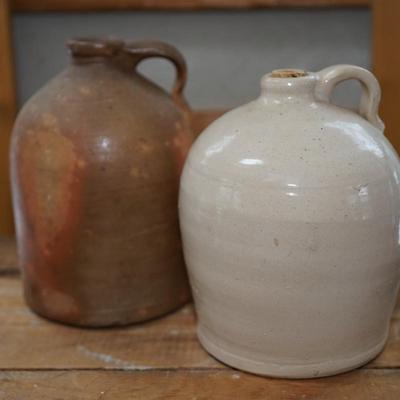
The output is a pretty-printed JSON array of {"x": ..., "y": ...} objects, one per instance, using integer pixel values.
[{"x": 288, "y": 73}]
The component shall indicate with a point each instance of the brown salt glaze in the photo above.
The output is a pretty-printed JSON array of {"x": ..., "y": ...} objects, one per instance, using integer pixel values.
[{"x": 96, "y": 158}]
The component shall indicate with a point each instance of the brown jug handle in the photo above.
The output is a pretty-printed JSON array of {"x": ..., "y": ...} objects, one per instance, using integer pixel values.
[
  {"x": 329, "y": 77},
  {"x": 146, "y": 49}
]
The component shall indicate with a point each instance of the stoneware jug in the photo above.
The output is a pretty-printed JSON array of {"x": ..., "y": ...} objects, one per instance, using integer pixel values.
[
  {"x": 96, "y": 159},
  {"x": 289, "y": 210}
]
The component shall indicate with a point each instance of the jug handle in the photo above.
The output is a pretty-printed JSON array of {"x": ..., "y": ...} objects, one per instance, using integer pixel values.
[
  {"x": 329, "y": 77},
  {"x": 153, "y": 48}
]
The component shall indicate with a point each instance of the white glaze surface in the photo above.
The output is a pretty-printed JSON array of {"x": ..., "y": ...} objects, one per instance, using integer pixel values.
[{"x": 289, "y": 211}]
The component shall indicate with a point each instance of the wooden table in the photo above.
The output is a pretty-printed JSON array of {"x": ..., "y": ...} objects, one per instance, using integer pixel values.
[{"x": 161, "y": 359}]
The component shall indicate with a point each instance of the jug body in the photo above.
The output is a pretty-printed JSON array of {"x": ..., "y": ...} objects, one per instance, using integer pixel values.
[
  {"x": 289, "y": 211},
  {"x": 96, "y": 158}
]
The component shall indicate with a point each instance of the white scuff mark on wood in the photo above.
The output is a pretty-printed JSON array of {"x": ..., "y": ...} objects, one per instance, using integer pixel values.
[
  {"x": 186, "y": 310},
  {"x": 109, "y": 359}
]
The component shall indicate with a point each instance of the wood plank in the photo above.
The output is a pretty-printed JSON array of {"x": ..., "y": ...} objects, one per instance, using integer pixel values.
[
  {"x": 7, "y": 114},
  {"x": 96, "y": 5},
  {"x": 194, "y": 385},
  {"x": 30, "y": 342},
  {"x": 386, "y": 64}
]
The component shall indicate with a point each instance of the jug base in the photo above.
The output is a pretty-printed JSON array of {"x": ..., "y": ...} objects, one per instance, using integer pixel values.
[
  {"x": 116, "y": 318},
  {"x": 293, "y": 371}
]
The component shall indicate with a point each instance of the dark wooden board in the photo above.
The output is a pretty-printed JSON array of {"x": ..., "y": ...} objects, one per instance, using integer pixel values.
[
  {"x": 386, "y": 63},
  {"x": 96, "y": 5},
  {"x": 7, "y": 115}
]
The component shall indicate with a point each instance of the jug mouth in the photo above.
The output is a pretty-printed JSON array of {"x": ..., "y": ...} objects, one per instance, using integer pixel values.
[{"x": 94, "y": 47}]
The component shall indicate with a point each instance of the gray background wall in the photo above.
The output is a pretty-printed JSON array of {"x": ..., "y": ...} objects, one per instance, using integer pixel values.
[{"x": 227, "y": 51}]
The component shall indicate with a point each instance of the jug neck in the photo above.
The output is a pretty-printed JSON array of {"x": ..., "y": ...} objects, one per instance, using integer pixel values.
[{"x": 288, "y": 85}]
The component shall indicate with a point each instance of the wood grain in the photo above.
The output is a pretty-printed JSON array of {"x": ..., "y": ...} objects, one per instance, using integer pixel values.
[
  {"x": 7, "y": 114},
  {"x": 98, "y": 5},
  {"x": 386, "y": 64},
  {"x": 31, "y": 342},
  {"x": 194, "y": 385}
]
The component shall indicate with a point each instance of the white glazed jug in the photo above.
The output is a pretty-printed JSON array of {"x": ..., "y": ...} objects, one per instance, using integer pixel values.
[{"x": 289, "y": 210}]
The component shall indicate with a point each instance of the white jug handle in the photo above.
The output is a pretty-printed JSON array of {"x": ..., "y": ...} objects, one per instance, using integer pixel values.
[{"x": 329, "y": 77}]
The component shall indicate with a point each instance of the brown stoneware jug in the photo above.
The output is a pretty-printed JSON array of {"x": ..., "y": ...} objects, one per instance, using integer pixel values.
[{"x": 96, "y": 158}]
